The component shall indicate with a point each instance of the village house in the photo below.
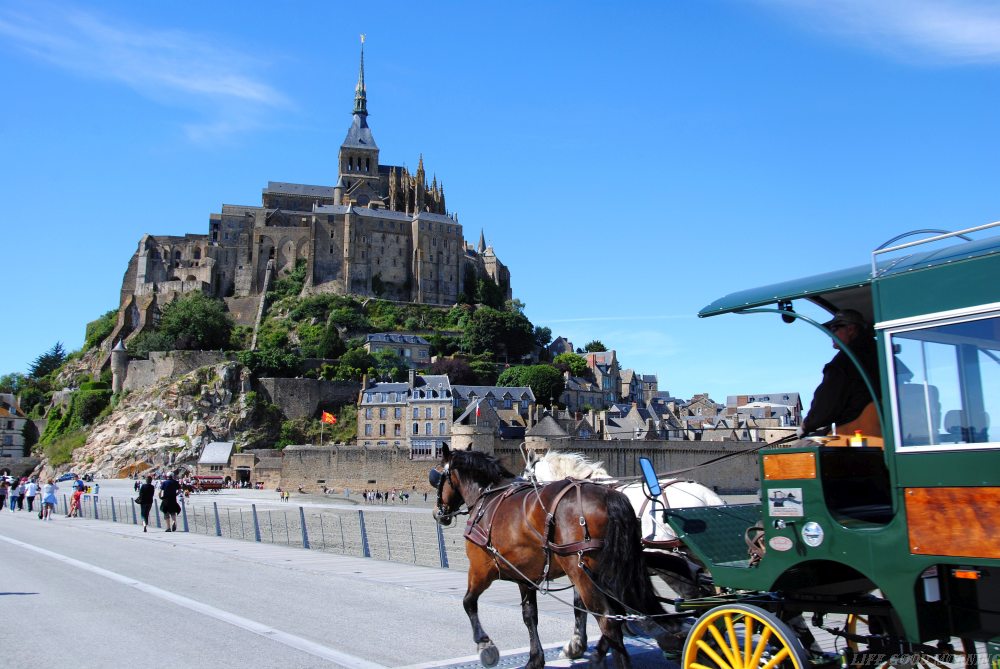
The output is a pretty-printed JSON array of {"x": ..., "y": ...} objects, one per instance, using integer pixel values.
[
  {"x": 607, "y": 374},
  {"x": 415, "y": 414},
  {"x": 12, "y": 422},
  {"x": 414, "y": 350}
]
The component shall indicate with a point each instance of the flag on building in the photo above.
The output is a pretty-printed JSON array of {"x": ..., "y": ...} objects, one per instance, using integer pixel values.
[
  {"x": 477, "y": 409},
  {"x": 329, "y": 418}
]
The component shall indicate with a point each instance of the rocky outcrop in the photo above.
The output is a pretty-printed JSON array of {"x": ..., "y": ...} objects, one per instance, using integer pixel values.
[{"x": 167, "y": 424}]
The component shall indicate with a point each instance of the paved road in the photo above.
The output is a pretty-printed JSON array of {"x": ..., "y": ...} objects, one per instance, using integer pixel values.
[{"x": 84, "y": 593}]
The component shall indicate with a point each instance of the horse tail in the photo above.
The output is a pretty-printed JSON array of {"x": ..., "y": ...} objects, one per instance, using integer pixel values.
[{"x": 622, "y": 572}]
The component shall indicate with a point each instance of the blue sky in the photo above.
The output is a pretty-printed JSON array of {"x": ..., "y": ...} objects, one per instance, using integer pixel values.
[{"x": 629, "y": 163}]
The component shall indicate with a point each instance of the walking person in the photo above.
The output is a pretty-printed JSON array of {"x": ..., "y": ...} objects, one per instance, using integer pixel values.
[
  {"x": 3, "y": 491},
  {"x": 168, "y": 501},
  {"x": 22, "y": 490},
  {"x": 13, "y": 495},
  {"x": 49, "y": 491},
  {"x": 145, "y": 499},
  {"x": 30, "y": 492}
]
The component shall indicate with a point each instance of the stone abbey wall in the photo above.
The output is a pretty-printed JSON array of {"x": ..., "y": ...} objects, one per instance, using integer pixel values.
[
  {"x": 168, "y": 364},
  {"x": 301, "y": 398}
]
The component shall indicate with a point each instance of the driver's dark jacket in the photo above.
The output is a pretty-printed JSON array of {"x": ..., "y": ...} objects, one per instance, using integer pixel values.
[{"x": 842, "y": 395}]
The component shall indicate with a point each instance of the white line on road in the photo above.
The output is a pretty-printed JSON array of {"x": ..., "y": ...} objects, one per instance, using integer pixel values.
[{"x": 344, "y": 659}]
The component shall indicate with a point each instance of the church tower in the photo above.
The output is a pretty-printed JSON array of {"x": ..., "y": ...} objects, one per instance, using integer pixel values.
[{"x": 358, "y": 159}]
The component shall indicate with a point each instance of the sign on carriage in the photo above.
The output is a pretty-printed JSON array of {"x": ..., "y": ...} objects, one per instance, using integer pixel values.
[{"x": 785, "y": 502}]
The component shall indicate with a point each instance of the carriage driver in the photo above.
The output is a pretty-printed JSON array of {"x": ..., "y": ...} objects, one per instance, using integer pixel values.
[{"x": 842, "y": 395}]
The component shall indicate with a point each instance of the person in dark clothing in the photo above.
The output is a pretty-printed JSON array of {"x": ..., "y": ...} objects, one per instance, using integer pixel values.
[
  {"x": 145, "y": 499},
  {"x": 168, "y": 504},
  {"x": 843, "y": 395}
]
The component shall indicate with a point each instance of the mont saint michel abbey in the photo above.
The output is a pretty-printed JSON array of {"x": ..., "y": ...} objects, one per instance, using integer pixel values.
[{"x": 380, "y": 224}]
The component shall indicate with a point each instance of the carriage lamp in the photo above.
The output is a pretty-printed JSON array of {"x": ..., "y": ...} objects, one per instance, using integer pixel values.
[{"x": 812, "y": 534}]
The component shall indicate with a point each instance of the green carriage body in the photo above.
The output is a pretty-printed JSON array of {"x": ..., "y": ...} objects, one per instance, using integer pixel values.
[{"x": 920, "y": 519}]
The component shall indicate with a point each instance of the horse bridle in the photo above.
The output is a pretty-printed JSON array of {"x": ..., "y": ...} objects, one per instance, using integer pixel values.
[{"x": 437, "y": 479}]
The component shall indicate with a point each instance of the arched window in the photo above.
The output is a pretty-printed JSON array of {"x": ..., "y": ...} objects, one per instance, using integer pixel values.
[
  {"x": 197, "y": 253},
  {"x": 367, "y": 164},
  {"x": 416, "y": 428},
  {"x": 177, "y": 256}
]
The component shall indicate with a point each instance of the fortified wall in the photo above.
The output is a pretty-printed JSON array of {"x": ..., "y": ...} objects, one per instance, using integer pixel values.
[
  {"x": 167, "y": 364},
  {"x": 357, "y": 467},
  {"x": 301, "y": 398}
]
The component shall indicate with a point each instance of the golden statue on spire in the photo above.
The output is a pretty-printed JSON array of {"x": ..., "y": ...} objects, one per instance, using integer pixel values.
[{"x": 362, "y": 38}]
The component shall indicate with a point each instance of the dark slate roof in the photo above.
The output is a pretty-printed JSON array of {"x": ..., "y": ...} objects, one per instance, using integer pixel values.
[
  {"x": 359, "y": 136},
  {"x": 383, "y": 213},
  {"x": 298, "y": 189},
  {"x": 547, "y": 427},
  {"x": 580, "y": 384},
  {"x": 393, "y": 338},
  {"x": 649, "y": 378},
  {"x": 463, "y": 393},
  {"x": 216, "y": 453}
]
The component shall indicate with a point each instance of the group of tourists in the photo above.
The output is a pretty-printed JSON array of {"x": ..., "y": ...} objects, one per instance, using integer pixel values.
[
  {"x": 14, "y": 493},
  {"x": 385, "y": 497}
]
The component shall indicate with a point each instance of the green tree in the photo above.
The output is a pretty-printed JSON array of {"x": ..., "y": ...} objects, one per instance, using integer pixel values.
[
  {"x": 13, "y": 383},
  {"x": 389, "y": 366},
  {"x": 354, "y": 364},
  {"x": 545, "y": 381},
  {"x": 47, "y": 362},
  {"x": 543, "y": 336},
  {"x": 99, "y": 330},
  {"x": 489, "y": 293},
  {"x": 503, "y": 334},
  {"x": 595, "y": 346},
  {"x": 457, "y": 370},
  {"x": 271, "y": 362},
  {"x": 196, "y": 322},
  {"x": 576, "y": 364}
]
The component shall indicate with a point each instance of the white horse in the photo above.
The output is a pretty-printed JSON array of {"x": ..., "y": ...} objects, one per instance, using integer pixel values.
[
  {"x": 677, "y": 493},
  {"x": 670, "y": 560}
]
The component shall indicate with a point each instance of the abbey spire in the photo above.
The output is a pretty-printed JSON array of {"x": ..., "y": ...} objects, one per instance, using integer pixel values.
[{"x": 360, "y": 99}]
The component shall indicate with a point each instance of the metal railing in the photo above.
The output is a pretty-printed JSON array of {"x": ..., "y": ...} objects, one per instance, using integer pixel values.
[{"x": 379, "y": 535}]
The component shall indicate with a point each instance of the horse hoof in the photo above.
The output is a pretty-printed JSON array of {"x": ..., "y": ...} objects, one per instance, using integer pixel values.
[
  {"x": 489, "y": 655},
  {"x": 574, "y": 650}
]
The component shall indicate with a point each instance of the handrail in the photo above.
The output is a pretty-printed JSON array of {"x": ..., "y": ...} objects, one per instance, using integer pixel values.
[{"x": 938, "y": 237}]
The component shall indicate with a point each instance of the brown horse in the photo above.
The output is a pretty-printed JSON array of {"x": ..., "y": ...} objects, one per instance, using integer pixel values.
[{"x": 530, "y": 534}]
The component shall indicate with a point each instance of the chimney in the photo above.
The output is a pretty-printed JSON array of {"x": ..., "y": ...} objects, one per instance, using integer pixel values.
[{"x": 413, "y": 378}]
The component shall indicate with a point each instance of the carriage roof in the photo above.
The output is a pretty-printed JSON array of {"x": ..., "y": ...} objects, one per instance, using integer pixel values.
[{"x": 906, "y": 276}]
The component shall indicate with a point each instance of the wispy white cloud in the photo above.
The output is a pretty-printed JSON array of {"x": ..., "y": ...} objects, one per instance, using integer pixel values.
[
  {"x": 930, "y": 31},
  {"x": 220, "y": 86}
]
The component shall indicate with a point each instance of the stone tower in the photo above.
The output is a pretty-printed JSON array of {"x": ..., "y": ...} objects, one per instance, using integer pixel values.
[{"x": 119, "y": 367}]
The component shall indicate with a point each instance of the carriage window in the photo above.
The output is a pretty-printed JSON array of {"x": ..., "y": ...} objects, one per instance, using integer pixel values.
[{"x": 947, "y": 383}]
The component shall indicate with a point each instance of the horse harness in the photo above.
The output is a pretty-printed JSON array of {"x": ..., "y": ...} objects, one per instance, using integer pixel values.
[{"x": 479, "y": 528}]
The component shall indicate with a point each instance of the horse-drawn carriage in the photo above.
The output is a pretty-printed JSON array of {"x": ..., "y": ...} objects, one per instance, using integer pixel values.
[{"x": 891, "y": 549}]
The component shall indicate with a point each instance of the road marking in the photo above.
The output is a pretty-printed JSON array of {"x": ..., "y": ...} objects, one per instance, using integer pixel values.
[{"x": 344, "y": 659}]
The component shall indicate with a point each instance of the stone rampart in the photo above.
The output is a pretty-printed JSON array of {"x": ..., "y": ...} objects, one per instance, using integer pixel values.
[
  {"x": 739, "y": 473},
  {"x": 355, "y": 467},
  {"x": 168, "y": 364},
  {"x": 301, "y": 398},
  {"x": 243, "y": 309},
  {"x": 19, "y": 466}
]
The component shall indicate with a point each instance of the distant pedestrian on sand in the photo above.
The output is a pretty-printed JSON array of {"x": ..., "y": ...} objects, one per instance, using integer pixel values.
[
  {"x": 145, "y": 499},
  {"x": 168, "y": 501},
  {"x": 49, "y": 491}
]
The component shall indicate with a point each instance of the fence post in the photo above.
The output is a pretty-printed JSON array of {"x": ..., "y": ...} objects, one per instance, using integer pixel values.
[
  {"x": 218, "y": 526},
  {"x": 256, "y": 523},
  {"x": 184, "y": 514},
  {"x": 388, "y": 547},
  {"x": 305, "y": 533},
  {"x": 135, "y": 519},
  {"x": 365, "y": 552},
  {"x": 65, "y": 505},
  {"x": 441, "y": 551},
  {"x": 156, "y": 507},
  {"x": 114, "y": 514},
  {"x": 96, "y": 514},
  {"x": 413, "y": 543}
]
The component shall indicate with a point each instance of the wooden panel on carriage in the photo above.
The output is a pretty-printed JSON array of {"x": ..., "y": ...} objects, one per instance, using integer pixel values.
[
  {"x": 784, "y": 466},
  {"x": 956, "y": 522}
]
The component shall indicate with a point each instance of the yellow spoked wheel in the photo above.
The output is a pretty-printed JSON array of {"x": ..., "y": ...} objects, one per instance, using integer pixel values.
[{"x": 740, "y": 636}]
